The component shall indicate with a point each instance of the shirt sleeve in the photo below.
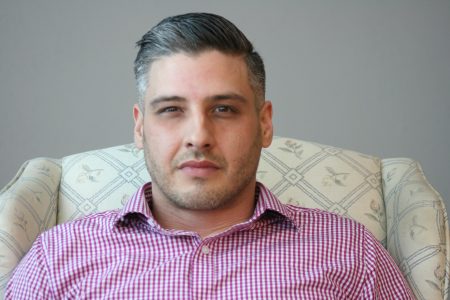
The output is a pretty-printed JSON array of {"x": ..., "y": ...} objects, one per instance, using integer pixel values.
[
  {"x": 384, "y": 279},
  {"x": 30, "y": 278}
]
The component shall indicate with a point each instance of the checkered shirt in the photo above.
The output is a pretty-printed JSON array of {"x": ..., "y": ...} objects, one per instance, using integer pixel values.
[{"x": 281, "y": 252}]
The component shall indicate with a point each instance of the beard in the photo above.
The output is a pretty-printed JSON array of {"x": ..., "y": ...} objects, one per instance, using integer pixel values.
[{"x": 202, "y": 194}]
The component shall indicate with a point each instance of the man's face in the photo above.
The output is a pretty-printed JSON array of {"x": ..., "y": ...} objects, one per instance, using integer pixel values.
[{"x": 201, "y": 130}]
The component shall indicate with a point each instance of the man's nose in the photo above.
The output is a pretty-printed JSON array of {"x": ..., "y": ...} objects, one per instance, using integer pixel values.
[{"x": 199, "y": 132}]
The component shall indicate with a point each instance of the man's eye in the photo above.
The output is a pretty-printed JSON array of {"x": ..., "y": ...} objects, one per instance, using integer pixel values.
[
  {"x": 224, "y": 109},
  {"x": 169, "y": 109}
]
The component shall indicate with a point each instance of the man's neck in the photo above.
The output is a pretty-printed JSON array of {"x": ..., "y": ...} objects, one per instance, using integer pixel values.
[{"x": 205, "y": 223}]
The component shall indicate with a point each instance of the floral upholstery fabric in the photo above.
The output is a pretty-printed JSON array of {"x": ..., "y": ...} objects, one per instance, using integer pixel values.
[
  {"x": 27, "y": 207},
  {"x": 417, "y": 223},
  {"x": 390, "y": 197}
]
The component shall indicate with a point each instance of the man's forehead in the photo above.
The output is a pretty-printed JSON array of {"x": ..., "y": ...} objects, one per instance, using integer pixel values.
[
  {"x": 209, "y": 73},
  {"x": 194, "y": 57}
]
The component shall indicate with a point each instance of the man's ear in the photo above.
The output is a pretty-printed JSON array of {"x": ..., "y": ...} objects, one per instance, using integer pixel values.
[
  {"x": 265, "y": 119},
  {"x": 138, "y": 127}
]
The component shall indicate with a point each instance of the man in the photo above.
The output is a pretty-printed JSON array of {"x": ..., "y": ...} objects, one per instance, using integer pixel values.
[{"x": 204, "y": 228}]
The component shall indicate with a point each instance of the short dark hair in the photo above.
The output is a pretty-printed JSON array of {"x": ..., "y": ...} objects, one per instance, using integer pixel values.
[{"x": 193, "y": 33}]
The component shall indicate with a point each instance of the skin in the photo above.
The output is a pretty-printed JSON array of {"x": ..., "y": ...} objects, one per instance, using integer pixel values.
[{"x": 202, "y": 135}]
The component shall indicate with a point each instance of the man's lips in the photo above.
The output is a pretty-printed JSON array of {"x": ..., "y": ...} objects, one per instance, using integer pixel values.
[
  {"x": 198, "y": 168},
  {"x": 198, "y": 164}
]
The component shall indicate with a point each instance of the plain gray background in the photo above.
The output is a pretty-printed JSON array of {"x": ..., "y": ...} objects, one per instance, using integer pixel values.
[{"x": 372, "y": 76}]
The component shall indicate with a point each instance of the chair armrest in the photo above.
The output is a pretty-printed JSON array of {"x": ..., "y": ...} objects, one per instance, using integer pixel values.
[
  {"x": 417, "y": 228},
  {"x": 28, "y": 207}
]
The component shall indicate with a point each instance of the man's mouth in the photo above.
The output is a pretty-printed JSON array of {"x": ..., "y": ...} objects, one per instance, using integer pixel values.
[{"x": 199, "y": 168}]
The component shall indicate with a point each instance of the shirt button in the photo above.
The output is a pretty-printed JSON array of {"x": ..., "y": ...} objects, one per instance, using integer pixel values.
[{"x": 205, "y": 250}]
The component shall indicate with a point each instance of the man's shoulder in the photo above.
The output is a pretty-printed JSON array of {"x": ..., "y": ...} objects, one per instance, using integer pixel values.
[
  {"x": 316, "y": 219},
  {"x": 99, "y": 221},
  {"x": 304, "y": 217}
]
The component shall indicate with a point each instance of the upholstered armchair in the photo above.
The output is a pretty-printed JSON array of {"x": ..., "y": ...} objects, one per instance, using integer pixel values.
[{"x": 391, "y": 197}]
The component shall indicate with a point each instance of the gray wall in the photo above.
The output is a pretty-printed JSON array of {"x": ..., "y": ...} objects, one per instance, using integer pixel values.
[{"x": 373, "y": 76}]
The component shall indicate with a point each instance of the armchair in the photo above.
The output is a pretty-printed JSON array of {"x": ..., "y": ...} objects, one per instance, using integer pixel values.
[{"x": 391, "y": 197}]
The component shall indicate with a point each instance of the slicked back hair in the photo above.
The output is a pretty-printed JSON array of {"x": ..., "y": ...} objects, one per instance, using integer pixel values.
[{"x": 194, "y": 33}]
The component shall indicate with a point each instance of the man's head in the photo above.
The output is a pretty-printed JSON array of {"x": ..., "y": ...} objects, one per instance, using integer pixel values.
[
  {"x": 202, "y": 121},
  {"x": 194, "y": 33}
]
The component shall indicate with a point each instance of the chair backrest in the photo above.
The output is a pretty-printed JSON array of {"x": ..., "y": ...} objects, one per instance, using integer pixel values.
[
  {"x": 300, "y": 173},
  {"x": 391, "y": 197}
]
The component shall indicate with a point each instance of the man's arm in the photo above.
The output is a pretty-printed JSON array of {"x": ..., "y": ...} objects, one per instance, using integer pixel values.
[
  {"x": 30, "y": 278},
  {"x": 383, "y": 279}
]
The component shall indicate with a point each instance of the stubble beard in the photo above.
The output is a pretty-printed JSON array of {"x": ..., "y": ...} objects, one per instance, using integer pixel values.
[{"x": 203, "y": 196}]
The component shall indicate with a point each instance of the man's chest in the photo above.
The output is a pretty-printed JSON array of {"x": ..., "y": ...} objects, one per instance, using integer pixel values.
[{"x": 261, "y": 265}]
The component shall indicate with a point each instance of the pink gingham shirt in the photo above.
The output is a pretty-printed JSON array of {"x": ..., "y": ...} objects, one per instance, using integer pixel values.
[{"x": 282, "y": 252}]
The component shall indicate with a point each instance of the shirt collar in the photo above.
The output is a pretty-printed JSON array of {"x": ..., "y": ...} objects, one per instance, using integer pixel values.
[
  {"x": 268, "y": 202},
  {"x": 140, "y": 202}
]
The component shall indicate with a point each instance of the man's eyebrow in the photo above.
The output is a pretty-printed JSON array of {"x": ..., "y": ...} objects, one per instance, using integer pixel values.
[
  {"x": 154, "y": 102},
  {"x": 228, "y": 96}
]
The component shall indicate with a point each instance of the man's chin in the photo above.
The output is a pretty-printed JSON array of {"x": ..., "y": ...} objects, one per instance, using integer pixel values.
[
  {"x": 199, "y": 196},
  {"x": 193, "y": 184}
]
